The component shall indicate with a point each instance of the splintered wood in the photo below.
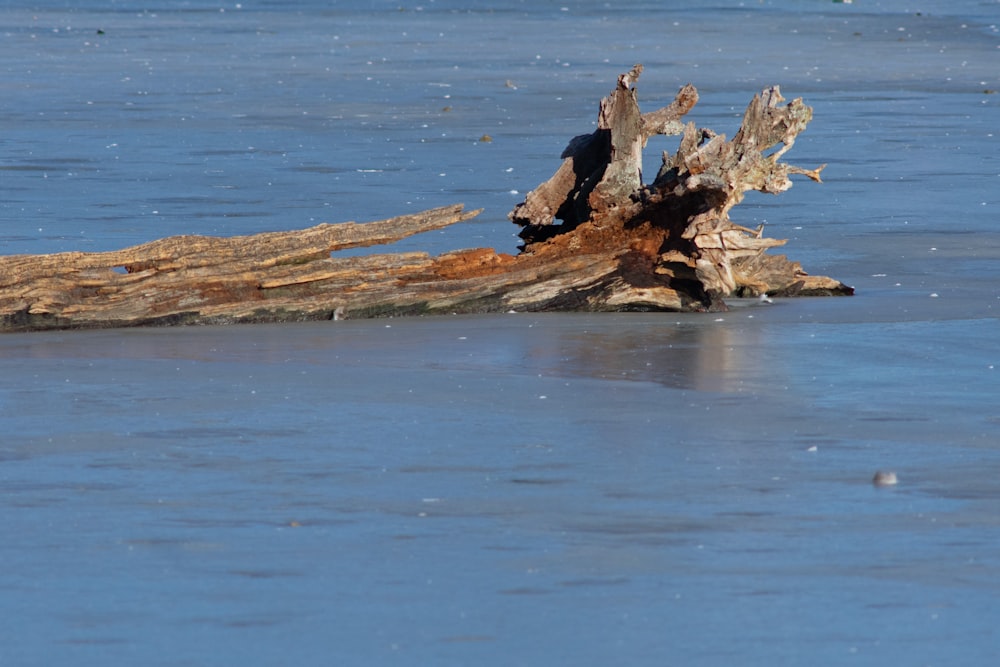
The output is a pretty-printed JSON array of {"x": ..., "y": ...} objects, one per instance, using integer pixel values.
[{"x": 596, "y": 238}]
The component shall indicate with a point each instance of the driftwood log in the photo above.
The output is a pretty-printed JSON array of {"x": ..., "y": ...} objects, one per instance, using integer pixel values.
[{"x": 596, "y": 238}]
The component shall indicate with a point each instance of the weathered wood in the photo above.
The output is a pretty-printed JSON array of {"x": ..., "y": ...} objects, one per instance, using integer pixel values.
[
  {"x": 678, "y": 227},
  {"x": 618, "y": 244},
  {"x": 188, "y": 279}
]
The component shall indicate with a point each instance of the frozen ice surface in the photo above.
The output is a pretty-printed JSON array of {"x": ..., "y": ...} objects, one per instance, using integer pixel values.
[{"x": 689, "y": 491}]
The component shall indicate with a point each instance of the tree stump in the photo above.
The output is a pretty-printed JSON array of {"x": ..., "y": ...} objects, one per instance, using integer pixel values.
[
  {"x": 674, "y": 235},
  {"x": 596, "y": 238}
]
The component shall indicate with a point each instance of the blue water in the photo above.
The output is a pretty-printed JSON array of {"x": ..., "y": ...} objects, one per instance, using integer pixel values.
[{"x": 638, "y": 489}]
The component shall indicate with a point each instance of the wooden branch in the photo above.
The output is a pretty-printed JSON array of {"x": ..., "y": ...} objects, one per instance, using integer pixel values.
[
  {"x": 181, "y": 279},
  {"x": 618, "y": 244}
]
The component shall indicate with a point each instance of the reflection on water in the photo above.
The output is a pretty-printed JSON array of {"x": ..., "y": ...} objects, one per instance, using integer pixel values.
[
  {"x": 686, "y": 355},
  {"x": 681, "y": 351}
]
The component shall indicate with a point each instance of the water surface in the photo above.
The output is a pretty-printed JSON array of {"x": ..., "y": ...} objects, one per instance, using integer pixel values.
[{"x": 516, "y": 489}]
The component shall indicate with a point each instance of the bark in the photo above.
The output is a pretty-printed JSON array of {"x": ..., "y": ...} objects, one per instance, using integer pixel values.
[
  {"x": 595, "y": 238},
  {"x": 678, "y": 227}
]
